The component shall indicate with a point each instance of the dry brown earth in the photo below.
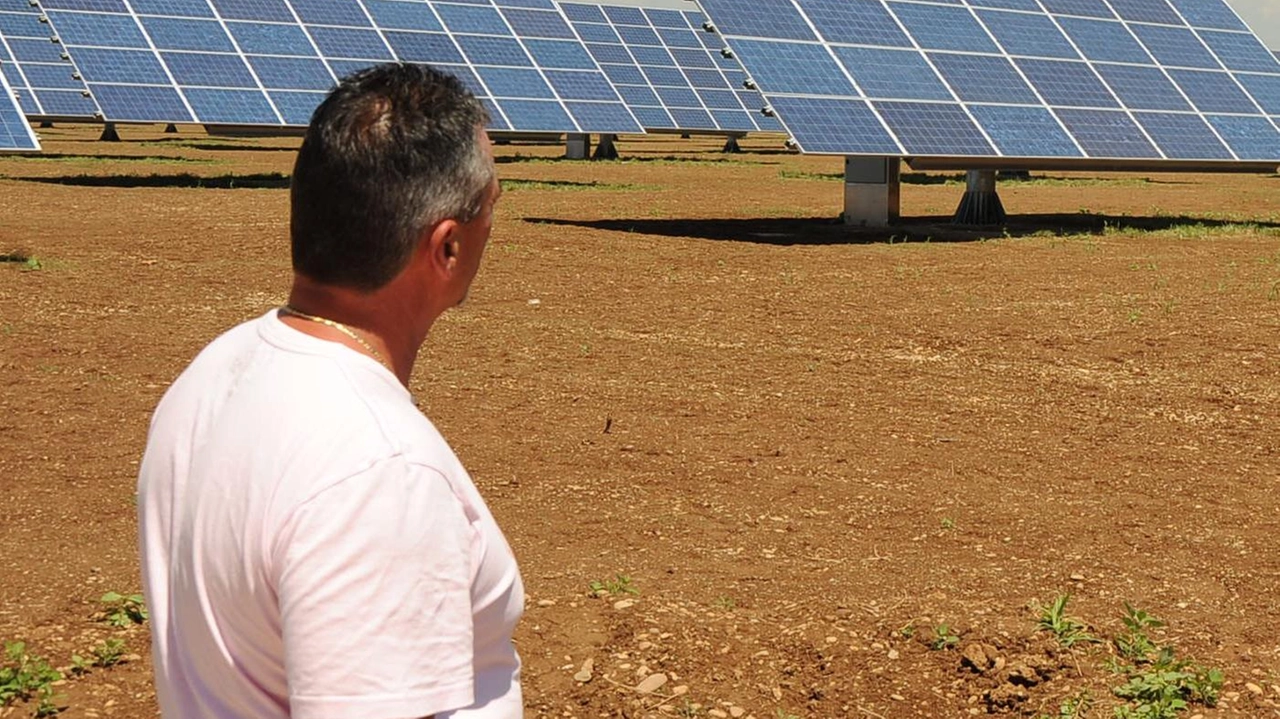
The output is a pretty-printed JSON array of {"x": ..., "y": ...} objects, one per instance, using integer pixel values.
[{"x": 807, "y": 448}]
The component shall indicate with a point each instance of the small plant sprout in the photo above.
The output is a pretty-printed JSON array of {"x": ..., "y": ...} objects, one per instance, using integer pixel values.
[
  {"x": 944, "y": 637},
  {"x": 724, "y": 602},
  {"x": 1068, "y": 630},
  {"x": 108, "y": 652},
  {"x": 1134, "y": 644},
  {"x": 121, "y": 610},
  {"x": 620, "y": 584},
  {"x": 948, "y": 523},
  {"x": 1076, "y": 707},
  {"x": 27, "y": 678}
]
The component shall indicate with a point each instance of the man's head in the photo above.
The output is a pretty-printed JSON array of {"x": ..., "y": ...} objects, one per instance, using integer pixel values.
[{"x": 391, "y": 153}]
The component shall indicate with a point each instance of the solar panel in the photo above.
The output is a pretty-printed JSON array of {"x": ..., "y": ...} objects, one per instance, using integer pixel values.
[
  {"x": 269, "y": 62},
  {"x": 44, "y": 79},
  {"x": 15, "y": 131},
  {"x": 1087, "y": 79},
  {"x": 657, "y": 60}
]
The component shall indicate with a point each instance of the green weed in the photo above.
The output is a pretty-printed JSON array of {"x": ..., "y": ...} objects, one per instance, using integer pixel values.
[
  {"x": 619, "y": 585},
  {"x": 121, "y": 610},
  {"x": 108, "y": 652},
  {"x": 1134, "y": 644},
  {"x": 944, "y": 637},
  {"x": 1068, "y": 630},
  {"x": 27, "y": 678},
  {"x": 1158, "y": 684},
  {"x": 1076, "y": 707}
]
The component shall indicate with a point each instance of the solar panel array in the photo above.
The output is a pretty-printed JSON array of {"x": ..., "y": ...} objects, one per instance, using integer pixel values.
[
  {"x": 38, "y": 69},
  {"x": 668, "y": 70},
  {"x": 1103, "y": 79},
  {"x": 269, "y": 62},
  {"x": 15, "y": 131}
]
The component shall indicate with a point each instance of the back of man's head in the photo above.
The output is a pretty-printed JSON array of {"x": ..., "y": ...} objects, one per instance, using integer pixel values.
[{"x": 391, "y": 151}]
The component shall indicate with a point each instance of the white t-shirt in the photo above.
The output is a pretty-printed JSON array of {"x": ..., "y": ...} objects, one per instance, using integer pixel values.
[{"x": 312, "y": 548}]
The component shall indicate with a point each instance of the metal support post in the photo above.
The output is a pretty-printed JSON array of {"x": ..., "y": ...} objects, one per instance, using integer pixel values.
[
  {"x": 109, "y": 133},
  {"x": 872, "y": 190},
  {"x": 980, "y": 204},
  {"x": 605, "y": 150},
  {"x": 577, "y": 146},
  {"x": 731, "y": 144}
]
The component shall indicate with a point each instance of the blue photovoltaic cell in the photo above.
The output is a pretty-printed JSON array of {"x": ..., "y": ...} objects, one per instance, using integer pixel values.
[
  {"x": 864, "y": 23},
  {"x": 934, "y": 129},
  {"x": 984, "y": 78},
  {"x": 1213, "y": 91},
  {"x": 900, "y": 74},
  {"x": 1208, "y": 14},
  {"x": 935, "y": 27},
  {"x": 1024, "y": 131},
  {"x": 1183, "y": 137},
  {"x": 800, "y": 68},
  {"x": 1067, "y": 84},
  {"x": 1142, "y": 88},
  {"x": 1087, "y": 8},
  {"x": 1026, "y": 34},
  {"x": 1146, "y": 11},
  {"x": 1251, "y": 138},
  {"x": 658, "y": 63},
  {"x": 1238, "y": 51},
  {"x": 15, "y": 131},
  {"x": 44, "y": 81},
  {"x": 836, "y": 126},
  {"x": 268, "y": 62},
  {"x": 1265, "y": 89},
  {"x": 780, "y": 16},
  {"x": 1174, "y": 46},
  {"x": 1104, "y": 41},
  {"x": 1107, "y": 133}
]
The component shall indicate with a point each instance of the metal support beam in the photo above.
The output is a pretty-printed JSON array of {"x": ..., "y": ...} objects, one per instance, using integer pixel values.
[
  {"x": 980, "y": 204},
  {"x": 577, "y": 146},
  {"x": 731, "y": 144},
  {"x": 605, "y": 150},
  {"x": 171, "y": 128},
  {"x": 872, "y": 190},
  {"x": 109, "y": 133}
]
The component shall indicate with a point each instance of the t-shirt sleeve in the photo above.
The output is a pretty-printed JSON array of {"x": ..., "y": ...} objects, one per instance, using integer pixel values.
[{"x": 374, "y": 584}]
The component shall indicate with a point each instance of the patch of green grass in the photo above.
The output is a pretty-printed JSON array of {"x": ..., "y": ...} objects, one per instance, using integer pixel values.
[
  {"x": 1069, "y": 631},
  {"x": 27, "y": 678},
  {"x": 619, "y": 585},
  {"x": 120, "y": 610},
  {"x": 803, "y": 175}
]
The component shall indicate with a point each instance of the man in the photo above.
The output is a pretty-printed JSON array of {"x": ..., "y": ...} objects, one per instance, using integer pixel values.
[{"x": 311, "y": 547}]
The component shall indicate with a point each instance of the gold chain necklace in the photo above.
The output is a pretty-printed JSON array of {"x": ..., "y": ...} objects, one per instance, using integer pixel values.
[{"x": 290, "y": 310}]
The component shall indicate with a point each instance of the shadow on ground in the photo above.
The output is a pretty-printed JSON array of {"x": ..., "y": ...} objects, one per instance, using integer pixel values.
[
  {"x": 268, "y": 180},
  {"x": 734, "y": 159},
  {"x": 934, "y": 228}
]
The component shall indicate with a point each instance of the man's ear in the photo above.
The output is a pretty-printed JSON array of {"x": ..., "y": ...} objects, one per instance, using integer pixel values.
[{"x": 441, "y": 246}]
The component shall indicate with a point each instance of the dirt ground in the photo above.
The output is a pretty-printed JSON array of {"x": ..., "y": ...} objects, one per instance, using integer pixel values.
[{"x": 828, "y": 465}]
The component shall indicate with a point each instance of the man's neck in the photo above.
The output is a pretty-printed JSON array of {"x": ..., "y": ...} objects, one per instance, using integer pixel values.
[{"x": 387, "y": 324}]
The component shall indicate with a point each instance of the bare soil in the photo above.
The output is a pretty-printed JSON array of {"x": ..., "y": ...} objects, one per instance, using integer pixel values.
[{"x": 807, "y": 447}]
